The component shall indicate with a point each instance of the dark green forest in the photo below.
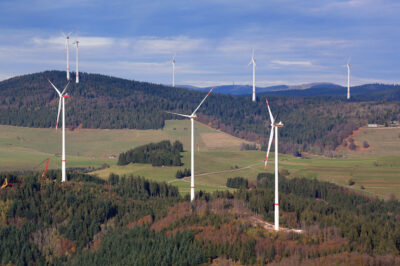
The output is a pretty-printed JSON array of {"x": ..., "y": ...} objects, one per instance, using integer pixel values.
[
  {"x": 181, "y": 174},
  {"x": 132, "y": 221},
  {"x": 314, "y": 124},
  {"x": 158, "y": 154},
  {"x": 237, "y": 182}
]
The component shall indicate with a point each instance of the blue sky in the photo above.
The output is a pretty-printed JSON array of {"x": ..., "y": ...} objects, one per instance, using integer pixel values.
[{"x": 295, "y": 41}]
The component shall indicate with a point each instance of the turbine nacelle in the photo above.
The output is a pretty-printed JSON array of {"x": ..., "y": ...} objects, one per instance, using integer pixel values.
[
  {"x": 192, "y": 117},
  {"x": 61, "y": 95},
  {"x": 252, "y": 61},
  {"x": 66, "y": 36},
  {"x": 61, "y": 106},
  {"x": 348, "y": 78},
  {"x": 173, "y": 70},
  {"x": 274, "y": 130},
  {"x": 273, "y": 125}
]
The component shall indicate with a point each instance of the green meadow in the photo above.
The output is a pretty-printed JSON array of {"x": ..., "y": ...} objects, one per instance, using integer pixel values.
[{"x": 217, "y": 157}]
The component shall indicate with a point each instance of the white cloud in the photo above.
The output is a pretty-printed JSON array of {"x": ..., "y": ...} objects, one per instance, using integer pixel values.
[
  {"x": 43, "y": 5},
  {"x": 149, "y": 67},
  {"x": 200, "y": 61},
  {"x": 154, "y": 45},
  {"x": 91, "y": 42},
  {"x": 292, "y": 63},
  {"x": 354, "y": 8}
]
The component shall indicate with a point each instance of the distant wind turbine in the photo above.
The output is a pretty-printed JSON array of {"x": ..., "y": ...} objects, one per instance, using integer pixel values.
[
  {"x": 192, "y": 117},
  {"x": 61, "y": 105},
  {"x": 274, "y": 127},
  {"x": 253, "y": 61},
  {"x": 348, "y": 78},
  {"x": 173, "y": 71},
  {"x": 77, "y": 61},
  {"x": 66, "y": 36}
]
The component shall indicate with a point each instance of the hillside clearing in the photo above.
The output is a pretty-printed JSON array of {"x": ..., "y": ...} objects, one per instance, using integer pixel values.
[
  {"x": 383, "y": 141},
  {"x": 24, "y": 149}
]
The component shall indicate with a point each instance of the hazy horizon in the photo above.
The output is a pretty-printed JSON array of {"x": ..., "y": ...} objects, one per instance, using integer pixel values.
[{"x": 295, "y": 42}]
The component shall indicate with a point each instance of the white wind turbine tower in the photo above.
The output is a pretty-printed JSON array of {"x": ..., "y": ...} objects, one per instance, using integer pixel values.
[
  {"x": 274, "y": 127},
  {"x": 67, "y": 47},
  {"x": 173, "y": 71},
  {"x": 348, "y": 79},
  {"x": 253, "y": 61},
  {"x": 192, "y": 117},
  {"x": 61, "y": 105},
  {"x": 77, "y": 61}
]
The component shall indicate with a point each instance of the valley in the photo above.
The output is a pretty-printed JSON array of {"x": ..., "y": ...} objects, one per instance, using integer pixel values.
[{"x": 375, "y": 171}]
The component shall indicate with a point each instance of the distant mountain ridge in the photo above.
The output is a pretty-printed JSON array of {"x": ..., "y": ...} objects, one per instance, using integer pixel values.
[
  {"x": 310, "y": 90},
  {"x": 237, "y": 90}
]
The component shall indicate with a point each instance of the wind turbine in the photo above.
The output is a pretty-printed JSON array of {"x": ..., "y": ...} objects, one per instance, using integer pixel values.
[
  {"x": 66, "y": 36},
  {"x": 274, "y": 127},
  {"x": 192, "y": 117},
  {"x": 173, "y": 71},
  {"x": 348, "y": 78},
  {"x": 61, "y": 105},
  {"x": 77, "y": 60},
  {"x": 253, "y": 61}
]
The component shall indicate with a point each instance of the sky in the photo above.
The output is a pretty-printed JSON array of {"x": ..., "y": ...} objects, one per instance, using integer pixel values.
[{"x": 295, "y": 41}]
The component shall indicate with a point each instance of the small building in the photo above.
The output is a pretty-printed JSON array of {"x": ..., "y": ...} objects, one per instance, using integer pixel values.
[
  {"x": 395, "y": 124},
  {"x": 372, "y": 125}
]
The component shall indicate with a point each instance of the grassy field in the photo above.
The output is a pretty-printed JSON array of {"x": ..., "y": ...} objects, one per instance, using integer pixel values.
[
  {"x": 219, "y": 156},
  {"x": 24, "y": 148},
  {"x": 213, "y": 168},
  {"x": 383, "y": 141}
]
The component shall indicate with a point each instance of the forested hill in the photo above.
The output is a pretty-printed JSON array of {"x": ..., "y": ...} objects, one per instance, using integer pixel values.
[
  {"x": 128, "y": 220},
  {"x": 98, "y": 101}
]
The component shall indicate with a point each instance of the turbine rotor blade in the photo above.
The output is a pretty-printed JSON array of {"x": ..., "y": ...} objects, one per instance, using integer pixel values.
[
  {"x": 271, "y": 137},
  {"x": 55, "y": 88},
  {"x": 277, "y": 115},
  {"x": 270, "y": 113},
  {"x": 188, "y": 116},
  {"x": 59, "y": 109},
  {"x": 194, "y": 112},
  {"x": 66, "y": 86}
]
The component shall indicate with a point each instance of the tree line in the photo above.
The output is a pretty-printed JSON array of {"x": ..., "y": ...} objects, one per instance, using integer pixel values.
[
  {"x": 158, "y": 154},
  {"x": 314, "y": 124},
  {"x": 132, "y": 220},
  {"x": 237, "y": 182}
]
